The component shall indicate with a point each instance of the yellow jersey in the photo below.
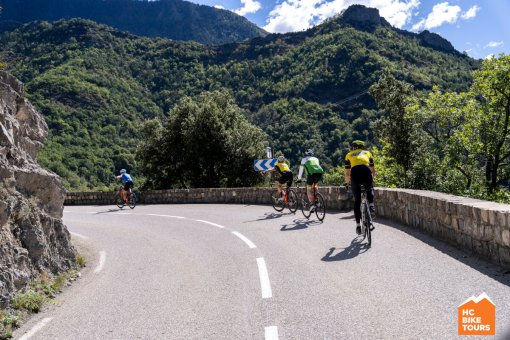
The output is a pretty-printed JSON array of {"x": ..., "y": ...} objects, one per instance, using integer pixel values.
[
  {"x": 359, "y": 157},
  {"x": 281, "y": 167}
]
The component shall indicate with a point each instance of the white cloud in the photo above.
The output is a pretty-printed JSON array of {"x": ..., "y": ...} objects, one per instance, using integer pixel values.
[
  {"x": 249, "y": 6},
  {"x": 490, "y": 56},
  {"x": 470, "y": 13},
  {"x": 494, "y": 44},
  {"x": 297, "y": 15},
  {"x": 441, "y": 13},
  {"x": 219, "y": 7}
]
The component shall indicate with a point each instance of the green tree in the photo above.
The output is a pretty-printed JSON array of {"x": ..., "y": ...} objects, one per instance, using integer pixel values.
[
  {"x": 395, "y": 129},
  {"x": 207, "y": 142},
  {"x": 443, "y": 116},
  {"x": 492, "y": 122}
]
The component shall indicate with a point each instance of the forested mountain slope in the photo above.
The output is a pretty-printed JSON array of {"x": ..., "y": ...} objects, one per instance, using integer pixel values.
[
  {"x": 174, "y": 19},
  {"x": 95, "y": 85}
]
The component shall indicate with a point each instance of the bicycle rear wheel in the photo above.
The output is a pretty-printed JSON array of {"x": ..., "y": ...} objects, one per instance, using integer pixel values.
[
  {"x": 305, "y": 205},
  {"x": 320, "y": 207},
  {"x": 368, "y": 222},
  {"x": 132, "y": 200},
  {"x": 118, "y": 201},
  {"x": 277, "y": 201},
  {"x": 292, "y": 201}
]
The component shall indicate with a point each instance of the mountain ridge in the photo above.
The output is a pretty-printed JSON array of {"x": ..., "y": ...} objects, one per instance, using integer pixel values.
[
  {"x": 96, "y": 84},
  {"x": 174, "y": 19}
]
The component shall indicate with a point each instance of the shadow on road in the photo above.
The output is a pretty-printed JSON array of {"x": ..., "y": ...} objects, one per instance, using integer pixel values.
[
  {"x": 108, "y": 211},
  {"x": 354, "y": 249},
  {"x": 347, "y": 217},
  {"x": 482, "y": 265},
  {"x": 270, "y": 216},
  {"x": 300, "y": 223}
]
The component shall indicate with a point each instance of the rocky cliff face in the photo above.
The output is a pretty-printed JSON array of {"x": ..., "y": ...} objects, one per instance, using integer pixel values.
[
  {"x": 33, "y": 238},
  {"x": 435, "y": 41}
]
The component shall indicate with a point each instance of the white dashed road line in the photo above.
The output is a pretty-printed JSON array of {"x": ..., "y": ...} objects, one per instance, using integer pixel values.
[
  {"x": 210, "y": 223},
  {"x": 245, "y": 239},
  {"x": 36, "y": 329},
  {"x": 271, "y": 333},
  {"x": 265, "y": 285},
  {"x": 180, "y": 217},
  {"x": 102, "y": 260}
]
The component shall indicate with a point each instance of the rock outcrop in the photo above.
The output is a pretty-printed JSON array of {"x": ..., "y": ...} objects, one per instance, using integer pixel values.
[
  {"x": 33, "y": 238},
  {"x": 363, "y": 18},
  {"x": 435, "y": 41}
]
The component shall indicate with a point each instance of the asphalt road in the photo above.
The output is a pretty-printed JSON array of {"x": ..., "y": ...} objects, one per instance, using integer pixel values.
[{"x": 247, "y": 272}]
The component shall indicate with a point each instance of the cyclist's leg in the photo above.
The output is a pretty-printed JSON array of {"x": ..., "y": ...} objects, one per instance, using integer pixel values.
[
  {"x": 309, "y": 189},
  {"x": 356, "y": 191},
  {"x": 280, "y": 187}
]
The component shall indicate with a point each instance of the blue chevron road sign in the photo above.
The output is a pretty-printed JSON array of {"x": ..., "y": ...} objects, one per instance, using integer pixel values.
[{"x": 264, "y": 164}]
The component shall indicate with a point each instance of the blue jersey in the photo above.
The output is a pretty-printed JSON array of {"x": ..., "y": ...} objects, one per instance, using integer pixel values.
[{"x": 126, "y": 178}]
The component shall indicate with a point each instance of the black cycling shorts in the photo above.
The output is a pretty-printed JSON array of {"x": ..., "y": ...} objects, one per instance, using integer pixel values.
[
  {"x": 313, "y": 178},
  {"x": 128, "y": 185},
  {"x": 286, "y": 177}
]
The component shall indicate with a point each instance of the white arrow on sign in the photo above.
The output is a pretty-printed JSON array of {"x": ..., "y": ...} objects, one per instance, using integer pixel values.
[{"x": 264, "y": 164}]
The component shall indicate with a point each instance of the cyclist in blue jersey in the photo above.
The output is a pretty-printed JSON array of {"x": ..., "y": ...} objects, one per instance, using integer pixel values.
[{"x": 128, "y": 181}]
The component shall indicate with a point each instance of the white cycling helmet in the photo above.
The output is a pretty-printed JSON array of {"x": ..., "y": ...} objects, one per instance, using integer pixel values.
[
  {"x": 281, "y": 159},
  {"x": 122, "y": 171},
  {"x": 309, "y": 152}
]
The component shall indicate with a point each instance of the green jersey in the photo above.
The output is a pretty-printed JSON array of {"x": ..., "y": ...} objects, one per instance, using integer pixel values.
[{"x": 311, "y": 165}]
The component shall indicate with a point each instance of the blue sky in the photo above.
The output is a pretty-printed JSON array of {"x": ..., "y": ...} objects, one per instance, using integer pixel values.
[{"x": 479, "y": 27}]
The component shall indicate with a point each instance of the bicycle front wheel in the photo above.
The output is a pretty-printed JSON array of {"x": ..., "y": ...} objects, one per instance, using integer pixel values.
[
  {"x": 132, "y": 200},
  {"x": 277, "y": 201},
  {"x": 118, "y": 201},
  {"x": 320, "y": 207},
  {"x": 292, "y": 201},
  {"x": 305, "y": 205}
]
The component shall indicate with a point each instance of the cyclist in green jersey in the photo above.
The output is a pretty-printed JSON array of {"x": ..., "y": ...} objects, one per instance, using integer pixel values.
[{"x": 314, "y": 174}]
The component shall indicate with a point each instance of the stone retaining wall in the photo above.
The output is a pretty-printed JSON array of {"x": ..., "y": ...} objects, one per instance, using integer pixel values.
[
  {"x": 336, "y": 197},
  {"x": 480, "y": 227},
  {"x": 477, "y": 226}
]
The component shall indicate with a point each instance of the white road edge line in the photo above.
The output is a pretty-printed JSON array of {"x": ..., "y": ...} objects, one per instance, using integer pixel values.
[
  {"x": 245, "y": 239},
  {"x": 265, "y": 285},
  {"x": 166, "y": 216},
  {"x": 214, "y": 224},
  {"x": 271, "y": 333},
  {"x": 79, "y": 235},
  {"x": 102, "y": 260},
  {"x": 35, "y": 329}
]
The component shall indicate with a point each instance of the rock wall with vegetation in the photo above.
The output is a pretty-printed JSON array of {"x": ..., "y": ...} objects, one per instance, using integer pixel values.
[{"x": 33, "y": 238}]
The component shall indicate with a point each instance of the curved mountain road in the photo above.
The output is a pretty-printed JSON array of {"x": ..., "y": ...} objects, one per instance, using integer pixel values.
[{"x": 247, "y": 272}]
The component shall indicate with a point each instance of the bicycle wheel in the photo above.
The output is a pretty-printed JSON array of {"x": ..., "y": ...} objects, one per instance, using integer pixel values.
[
  {"x": 320, "y": 207},
  {"x": 277, "y": 201},
  {"x": 118, "y": 201},
  {"x": 132, "y": 200},
  {"x": 292, "y": 201},
  {"x": 305, "y": 205},
  {"x": 368, "y": 222}
]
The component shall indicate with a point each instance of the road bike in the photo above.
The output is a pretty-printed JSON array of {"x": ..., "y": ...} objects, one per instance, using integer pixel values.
[
  {"x": 123, "y": 198},
  {"x": 287, "y": 197},
  {"x": 366, "y": 217},
  {"x": 318, "y": 199}
]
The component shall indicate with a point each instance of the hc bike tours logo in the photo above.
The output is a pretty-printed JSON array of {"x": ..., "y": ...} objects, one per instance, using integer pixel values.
[{"x": 477, "y": 316}]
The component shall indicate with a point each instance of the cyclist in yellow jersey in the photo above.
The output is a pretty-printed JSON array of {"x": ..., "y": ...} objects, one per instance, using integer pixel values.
[
  {"x": 283, "y": 170},
  {"x": 360, "y": 170}
]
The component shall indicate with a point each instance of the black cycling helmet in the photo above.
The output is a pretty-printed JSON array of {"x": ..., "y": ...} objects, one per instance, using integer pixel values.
[{"x": 358, "y": 144}]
